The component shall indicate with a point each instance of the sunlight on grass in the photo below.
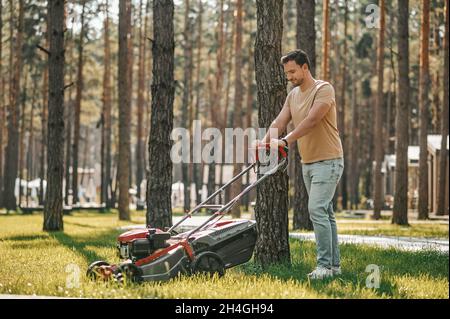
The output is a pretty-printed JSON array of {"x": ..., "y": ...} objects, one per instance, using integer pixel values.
[{"x": 35, "y": 262}]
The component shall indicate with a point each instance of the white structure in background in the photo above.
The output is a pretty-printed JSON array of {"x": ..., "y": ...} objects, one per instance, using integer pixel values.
[{"x": 33, "y": 187}]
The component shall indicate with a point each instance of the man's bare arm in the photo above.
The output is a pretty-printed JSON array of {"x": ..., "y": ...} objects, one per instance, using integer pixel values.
[{"x": 279, "y": 125}]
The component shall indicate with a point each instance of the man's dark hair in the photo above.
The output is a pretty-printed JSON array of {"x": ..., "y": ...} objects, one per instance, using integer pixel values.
[{"x": 299, "y": 56}]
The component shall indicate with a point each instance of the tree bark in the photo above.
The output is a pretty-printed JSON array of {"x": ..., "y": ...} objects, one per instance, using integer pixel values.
[
  {"x": 76, "y": 129},
  {"x": 140, "y": 107},
  {"x": 423, "y": 109},
  {"x": 106, "y": 183},
  {"x": 355, "y": 137},
  {"x": 2, "y": 104},
  {"x": 186, "y": 98},
  {"x": 238, "y": 99},
  {"x": 400, "y": 212},
  {"x": 443, "y": 158},
  {"x": 378, "y": 127},
  {"x": 306, "y": 38},
  {"x": 23, "y": 99},
  {"x": 12, "y": 150},
  {"x": 159, "y": 180},
  {"x": 271, "y": 211},
  {"x": 69, "y": 115},
  {"x": 344, "y": 189},
  {"x": 53, "y": 213},
  {"x": 325, "y": 41},
  {"x": 124, "y": 110},
  {"x": 44, "y": 116},
  {"x": 198, "y": 173}
]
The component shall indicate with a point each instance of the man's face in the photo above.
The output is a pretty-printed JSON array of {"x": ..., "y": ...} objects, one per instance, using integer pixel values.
[{"x": 294, "y": 72}]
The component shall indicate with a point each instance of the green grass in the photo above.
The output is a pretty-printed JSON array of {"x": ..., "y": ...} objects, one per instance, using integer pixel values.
[
  {"x": 35, "y": 262},
  {"x": 382, "y": 228}
]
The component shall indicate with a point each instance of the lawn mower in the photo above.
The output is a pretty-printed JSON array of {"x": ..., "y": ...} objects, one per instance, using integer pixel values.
[{"x": 152, "y": 254}]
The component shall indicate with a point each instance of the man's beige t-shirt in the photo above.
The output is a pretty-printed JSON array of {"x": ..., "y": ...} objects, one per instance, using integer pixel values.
[{"x": 323, "y": 142}]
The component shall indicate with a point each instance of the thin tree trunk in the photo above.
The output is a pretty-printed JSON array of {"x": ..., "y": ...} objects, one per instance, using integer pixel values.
[
  {"x": 354, "y": 141},
  {"x": 140, "y": 107},
  {"x": 423, "y": 110},
  {"x": 342, "y": 114},
  {"x": 249, "y": 108},
  {"x": 306, "y": 36},
  {"x": 271, "y": 211},
  {"x": 185, "y": 99},
  {"x": 400, "y": 212},
  {"x": 2, "y": 104},
  {"x": 69, "y": 115},
  {"x": 159, "y": 180},
  {"x": 443, "y": 158},
  {"x": 124, "y": 109},
  {"x": 198, "y": 173},
  {"x": 44, "y": 116},
  {"x": 106, "y": 187},
  {"x": 12, "y": 150},
  {"x": 238, "y": 99},
  {"x": 53, "y": 210},
  {"x": 76, "y": 131},
  {"x": 378, "y": 127},
  {"x": 23, "y": 99},
  {"x": 130, "y": 55},
  {"x": 30, "y": 153},
  {"x": 325, "y": 41}
]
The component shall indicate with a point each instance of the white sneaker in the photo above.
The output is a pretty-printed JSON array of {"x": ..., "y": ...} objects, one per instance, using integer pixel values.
[
  {"x": 320, "y": 273},
  {"x": 336, "y": 271}
]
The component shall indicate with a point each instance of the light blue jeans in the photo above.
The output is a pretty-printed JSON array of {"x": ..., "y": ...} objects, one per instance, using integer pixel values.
[{"x": 321, "y": 179}]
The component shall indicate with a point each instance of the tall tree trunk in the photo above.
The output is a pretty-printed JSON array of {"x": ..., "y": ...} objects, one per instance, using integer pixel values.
[
  {"x": 140, "y": 107},
  {"x": 159, "y": 180},
  {"x": 249, "y": 106},
  {"x": 342, "y": 115},
  {"x": 271, "y": 211},
  {"x": 185, "y": 100},
  {"x": 69, "y": 43},
  {"x": 53, "y": 213},
  {"x": 353, "y": 170},
  {"x": 130, "y": 55},
  {"x": 44, "y": 116},
  {"x": 400, "y": 212},
  {"x": 238, "y": 99},
  {"x": 325, "y": 41},
  {"x": 76, "y": 130},
  {"x": 23, "y": 99},
  {"x": 2, "y": 103},
  {"x": 12, "y": 150},
  {"x": 378, "y": 127},
  {"x": 198, "y": 173},
  {"x": 106, "y": 183},
  {"x": 306, "y": 38},
  {"x": 30, "y": 152},
  {"x": 423, "y": 109},
  {"x": 443, "y": 158},
  {"x": 124, "y": 109}
]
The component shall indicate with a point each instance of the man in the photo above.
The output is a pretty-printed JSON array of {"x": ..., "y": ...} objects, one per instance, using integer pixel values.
[{"x": 312, "y": 108}]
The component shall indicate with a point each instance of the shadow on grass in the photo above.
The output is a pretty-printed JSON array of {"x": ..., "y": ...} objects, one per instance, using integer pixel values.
[
  {"x": 105, "y": 239},
  {"x": 80, "y": 225},
  {"x": 354, "y": 260},
  {"x": 78, "y": 243}
]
